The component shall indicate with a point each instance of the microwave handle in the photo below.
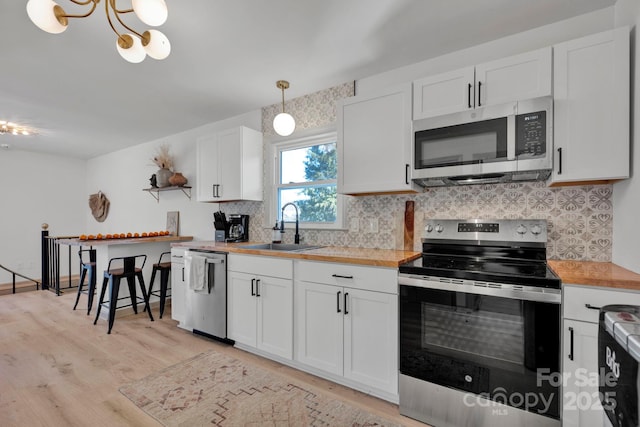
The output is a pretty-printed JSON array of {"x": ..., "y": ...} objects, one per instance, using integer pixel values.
[{"x": 559, "y": 160}]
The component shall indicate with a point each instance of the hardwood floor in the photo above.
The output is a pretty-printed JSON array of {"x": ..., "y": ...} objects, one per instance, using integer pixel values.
[{"x": 58, "y": 369}]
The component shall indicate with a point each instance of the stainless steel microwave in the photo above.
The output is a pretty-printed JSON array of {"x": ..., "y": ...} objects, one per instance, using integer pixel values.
[{"x": 498, "y": 143}]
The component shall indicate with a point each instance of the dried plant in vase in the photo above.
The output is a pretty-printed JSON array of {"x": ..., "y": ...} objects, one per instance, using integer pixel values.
[{"x": 164, "y": 161}]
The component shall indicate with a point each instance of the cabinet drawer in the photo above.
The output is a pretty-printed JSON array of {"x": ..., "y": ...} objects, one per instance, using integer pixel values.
[
  {"x": 576, "y": 299},
  {"x": 177, "y": 255},
  {"x": 260, "y": 265},
  {"x": 352, "y": 276}
]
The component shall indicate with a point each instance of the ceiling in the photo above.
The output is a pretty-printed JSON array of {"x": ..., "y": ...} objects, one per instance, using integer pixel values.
[{"x": 226, "y": 57}]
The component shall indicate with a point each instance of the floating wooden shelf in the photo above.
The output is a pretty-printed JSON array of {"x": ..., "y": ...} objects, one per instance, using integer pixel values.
[{"x": 155, "y": 192}]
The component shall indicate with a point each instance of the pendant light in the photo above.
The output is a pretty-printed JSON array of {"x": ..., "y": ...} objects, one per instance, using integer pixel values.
[
  {"x": 131, "y": 45},
  {"x": 284, "y": 124}
]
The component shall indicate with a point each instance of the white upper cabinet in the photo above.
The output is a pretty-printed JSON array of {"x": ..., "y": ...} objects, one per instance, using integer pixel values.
[
  {"x": 591, "y": 108},
  {"x": 374, "y": 142},
  {"x": 523, "y": 76},
  {"x": 229, "y": 166}
]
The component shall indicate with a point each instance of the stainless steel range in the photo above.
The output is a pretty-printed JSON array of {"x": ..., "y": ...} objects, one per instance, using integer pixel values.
[{"x": 480, "y": 326}]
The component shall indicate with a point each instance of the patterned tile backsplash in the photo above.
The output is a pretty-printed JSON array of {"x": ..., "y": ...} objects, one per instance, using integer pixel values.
[{"x": 579, "y": 218}]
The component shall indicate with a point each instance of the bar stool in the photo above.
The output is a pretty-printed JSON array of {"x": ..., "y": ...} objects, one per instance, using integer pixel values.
[
  {"x": 165, "y": 272},
  {"x": 87, "y": 267},
  {"x": 112, "y": 277}
]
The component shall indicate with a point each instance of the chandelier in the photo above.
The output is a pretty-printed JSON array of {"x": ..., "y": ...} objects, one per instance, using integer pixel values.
[
  {"x": 13, "y": 128},
  {"x": 131, "y": 45}
]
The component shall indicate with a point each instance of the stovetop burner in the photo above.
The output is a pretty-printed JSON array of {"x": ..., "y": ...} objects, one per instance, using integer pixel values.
[{"x": 497, "y": 251}]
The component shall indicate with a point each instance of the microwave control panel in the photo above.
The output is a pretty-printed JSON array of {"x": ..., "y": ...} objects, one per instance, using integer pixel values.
[{"x": 531, "y": 138}]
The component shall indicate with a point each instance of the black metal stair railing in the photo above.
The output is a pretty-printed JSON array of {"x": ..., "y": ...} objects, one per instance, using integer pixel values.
[
  {"x": 14, "y": 274},
  {"x": 51, "y": 261}
]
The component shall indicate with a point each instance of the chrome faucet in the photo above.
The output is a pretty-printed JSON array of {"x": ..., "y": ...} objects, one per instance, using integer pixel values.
[{"x": 297, "y": 236}]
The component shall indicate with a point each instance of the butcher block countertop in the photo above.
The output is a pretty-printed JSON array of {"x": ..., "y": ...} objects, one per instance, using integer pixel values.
[
  {"x": 603, "y": 274},
  {"x": 362, "y": 256}
]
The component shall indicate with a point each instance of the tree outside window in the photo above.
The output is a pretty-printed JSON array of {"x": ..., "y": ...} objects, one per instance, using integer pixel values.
[{"x": 308, "y": 178}]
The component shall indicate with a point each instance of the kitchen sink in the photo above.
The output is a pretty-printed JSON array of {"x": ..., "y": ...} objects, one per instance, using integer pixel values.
[{"x": 288, "y": 247}]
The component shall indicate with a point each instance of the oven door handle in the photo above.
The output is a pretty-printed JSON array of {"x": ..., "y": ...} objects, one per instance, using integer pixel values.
[{"x": 551, "y": 296}]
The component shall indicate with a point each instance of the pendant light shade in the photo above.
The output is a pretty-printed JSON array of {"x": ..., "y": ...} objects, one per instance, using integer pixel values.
[
  {"x": 284, "y": 124},
  {"x": 130, "y": 48},
  {"x": 151, "y": 12},
  {"x": 156, "y": 44},
  {"x": 45, "y": 14}
]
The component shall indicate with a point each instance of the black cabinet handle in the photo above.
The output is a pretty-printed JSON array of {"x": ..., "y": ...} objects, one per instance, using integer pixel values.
[
  {"x": 213, "y": 190},
  {"x": 257, "y": 287},
  {"x": 560, "y": 161},
  {"x": 479, "y": 95},
  {"x": 592, "y": 307},
  {"x": 338, "y": 301},
  {"x": 253, "y": 281},
  {"x": 183, "y": 274},
  {"x": 406, "y": 174},
  {"x": 570, "y": 343},
  {"x": 341, "y": 276},
  {"x": 469, "y": 95},
  {"x": 345, "y": 303}
]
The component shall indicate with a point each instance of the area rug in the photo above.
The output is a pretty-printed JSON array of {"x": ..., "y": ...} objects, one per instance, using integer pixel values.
[{"x": 216, "y": 390}]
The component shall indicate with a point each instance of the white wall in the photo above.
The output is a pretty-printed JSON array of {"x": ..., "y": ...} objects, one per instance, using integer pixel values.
[
  {"x": 123, "y": 174},
  {"x": 37, "y": 188},
  {"x": 626, "y": 194}
]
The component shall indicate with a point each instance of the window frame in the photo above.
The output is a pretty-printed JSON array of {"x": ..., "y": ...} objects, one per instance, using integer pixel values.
[{"x": 285, "y": 144}]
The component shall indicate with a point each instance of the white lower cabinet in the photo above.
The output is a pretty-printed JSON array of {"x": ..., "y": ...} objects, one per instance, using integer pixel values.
[
  {"x": 178, "y": 286},
  {"x": 580, "y": 311},
  {"x": 346, "y": 331},
  {"x": 260, "y": 306}
]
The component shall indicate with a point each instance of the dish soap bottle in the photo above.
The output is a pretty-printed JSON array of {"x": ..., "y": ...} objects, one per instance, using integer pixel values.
[{"x": 277, "y": 236}]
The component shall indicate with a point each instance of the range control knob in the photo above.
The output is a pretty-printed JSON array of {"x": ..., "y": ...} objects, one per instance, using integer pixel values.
[
  {"x": 536, "y": 229},
  {"x": 521, "y": 229},
  {"x": 439, "y": 228},
  {"x": 428, "y": 228}
]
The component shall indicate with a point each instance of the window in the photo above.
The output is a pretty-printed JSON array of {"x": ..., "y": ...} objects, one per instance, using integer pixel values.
[{"x": 306, "y": 175}]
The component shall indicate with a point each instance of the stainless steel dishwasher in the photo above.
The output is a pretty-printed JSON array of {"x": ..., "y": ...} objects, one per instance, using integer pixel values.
[{"x": 206, "y": 293}]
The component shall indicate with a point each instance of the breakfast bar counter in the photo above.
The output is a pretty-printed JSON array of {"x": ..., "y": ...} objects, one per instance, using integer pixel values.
[{"x": 106, "y": 249}]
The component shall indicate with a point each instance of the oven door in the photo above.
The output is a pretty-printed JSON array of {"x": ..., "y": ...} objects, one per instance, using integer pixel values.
[{"x": 502, "y": 348}]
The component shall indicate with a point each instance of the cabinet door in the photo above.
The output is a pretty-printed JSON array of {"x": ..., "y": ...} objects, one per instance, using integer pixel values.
[
  {"x": 371, "y": 339},
  {"x": 178, "y": 292},
  {"x": 241, "y": 316},
  {"x": 444, "y": 93},
  {"x": 514, "y": 78},
  {"x": 581, "y": 404},
  {"x": 374, "y": 142},
  {"x": 206, "y": 167},
  {"x": 319, "y": 323},
  {"x": 275, "y": 316},
  {"x": 230, "y": 165},
  {"x": 591, "y": 108}
]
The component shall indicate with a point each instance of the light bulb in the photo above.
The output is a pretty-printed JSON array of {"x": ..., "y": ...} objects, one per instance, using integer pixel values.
[
  {"x": 284, "y": 124},
  {"x": 158, "y": 46},
  {"x": 151, "y": 12},
  {"x": 130, "y": 48},
  {"x": 44, "y": 13}
]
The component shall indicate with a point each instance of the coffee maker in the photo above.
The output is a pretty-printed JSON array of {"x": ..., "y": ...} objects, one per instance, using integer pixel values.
[{"x": 238, "y": 228}]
